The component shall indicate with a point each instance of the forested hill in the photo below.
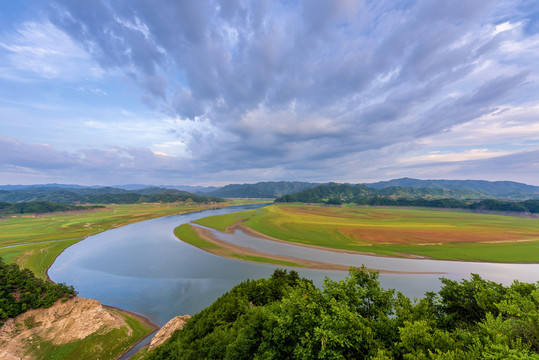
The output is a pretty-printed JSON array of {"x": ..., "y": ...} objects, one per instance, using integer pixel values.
[
  {"x": 359, "y": 192},
  {"x": 286, "y": 317},
  {"x": 497, "y": 189},
  {"x": 336, "y": 194},
  {"x": 103, "y": 195},
  {"x": 270, "y": 189}
]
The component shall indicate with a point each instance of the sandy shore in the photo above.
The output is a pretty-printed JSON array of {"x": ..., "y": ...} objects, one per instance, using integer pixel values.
[{"x": 226, "y": 249}]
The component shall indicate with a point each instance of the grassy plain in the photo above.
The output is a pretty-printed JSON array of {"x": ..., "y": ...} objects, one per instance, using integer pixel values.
[
  {"x": 44, "y": 237},
  {"x": 439, "y": 234}
]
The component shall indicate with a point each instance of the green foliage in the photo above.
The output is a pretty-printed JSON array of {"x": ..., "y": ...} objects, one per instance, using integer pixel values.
[
  {"x": 209, "y": 332},
  {"x": 285, "y": 317},
  {"x": 20, "y": 290}
]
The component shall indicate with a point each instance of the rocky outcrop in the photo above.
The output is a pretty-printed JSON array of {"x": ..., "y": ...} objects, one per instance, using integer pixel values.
[
  {"x": 166, "y": 331},
  {"x": 62, "y": 323}
]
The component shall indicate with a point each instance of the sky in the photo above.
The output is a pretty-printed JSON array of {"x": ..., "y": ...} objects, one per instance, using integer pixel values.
[{"x": 98, "y": 92}]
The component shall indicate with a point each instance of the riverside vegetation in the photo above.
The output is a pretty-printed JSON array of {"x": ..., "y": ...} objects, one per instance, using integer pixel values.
[{"x": 286, "y": 317}]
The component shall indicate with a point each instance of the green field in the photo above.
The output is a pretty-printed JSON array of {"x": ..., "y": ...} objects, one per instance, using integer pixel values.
[
  {"x": 186, "y": 233},
  {"x": 439, "y": 234},
  {"x": 44, "y": 237}
]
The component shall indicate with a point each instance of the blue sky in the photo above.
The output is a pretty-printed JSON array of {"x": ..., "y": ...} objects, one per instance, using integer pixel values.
[{"x": 206, "y": 92}]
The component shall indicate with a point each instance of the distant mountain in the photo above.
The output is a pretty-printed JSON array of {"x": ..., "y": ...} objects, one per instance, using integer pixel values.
[
  {"x": 438, "y": 193},
  {"x": 44, "y": 186},
  {"x": 332, "y": 192},
  {"x": 336, "y": 194},
  {"x": 102, "y": 195},
  {"x": 131, "y": 187},
  {"x": 270, "y": 189},
  {"x": 193, "y": 189},
  {"x": 497, "y": 189}
]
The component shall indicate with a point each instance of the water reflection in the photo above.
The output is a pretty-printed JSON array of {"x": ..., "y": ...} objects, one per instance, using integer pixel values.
[{"x": 144, "y": 268}]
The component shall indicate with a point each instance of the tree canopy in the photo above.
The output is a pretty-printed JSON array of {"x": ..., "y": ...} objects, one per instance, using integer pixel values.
[
  {"x": 20, "y": 290},
  {"x": 286, "y": 317}
]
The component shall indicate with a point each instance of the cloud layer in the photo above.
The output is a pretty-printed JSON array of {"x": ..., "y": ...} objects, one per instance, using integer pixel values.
[{"x": 313, "y": 90}]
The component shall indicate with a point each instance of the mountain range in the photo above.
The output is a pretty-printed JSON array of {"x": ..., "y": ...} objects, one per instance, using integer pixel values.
[
  {"x": 397, "y": 188},
  {"x": 100, "y": 195}
]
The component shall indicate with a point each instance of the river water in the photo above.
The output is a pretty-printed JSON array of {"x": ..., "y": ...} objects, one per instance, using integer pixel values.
[{"x": 144, "y": 268}]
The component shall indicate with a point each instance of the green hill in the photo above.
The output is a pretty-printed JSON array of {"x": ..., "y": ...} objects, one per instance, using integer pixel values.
[
  {"x": 498, "y": 189},
  {"x": 339, "y": 193},
  {"x": 270, "y": 189},
  {"x": 332, "y": 192},
  {"x": 286, "y": 317},
  {"x": 336, "y": 194},
  {"x": 102, "y": 195}
]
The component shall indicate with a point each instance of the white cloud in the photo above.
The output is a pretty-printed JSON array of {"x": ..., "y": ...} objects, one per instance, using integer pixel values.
[
  {"x": 172, "y": 148},
  {"x": 437, "y": 157},
  {"x": 282, "y": 89},
  {"x": 40, "y": 48}
]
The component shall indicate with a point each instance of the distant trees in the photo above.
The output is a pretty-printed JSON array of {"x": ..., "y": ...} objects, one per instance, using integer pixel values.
[
  {"x": 286, "y": 317},
  {"x": 39, "y": 207},
  {"x": 20, "y": 290}
]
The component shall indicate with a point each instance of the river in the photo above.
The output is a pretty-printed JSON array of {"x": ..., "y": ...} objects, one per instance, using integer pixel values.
[{"x": 144, "y": 268}]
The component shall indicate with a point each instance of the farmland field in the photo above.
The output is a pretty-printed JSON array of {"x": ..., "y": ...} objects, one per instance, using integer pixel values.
[{"x": 438, "y": 234}]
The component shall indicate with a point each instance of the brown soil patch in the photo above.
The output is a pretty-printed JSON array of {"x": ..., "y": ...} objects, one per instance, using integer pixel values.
[
  {"x": 427, "y": 236},
  {"x": 62, "y": 323},
  {"x": 339, "y": 213}
]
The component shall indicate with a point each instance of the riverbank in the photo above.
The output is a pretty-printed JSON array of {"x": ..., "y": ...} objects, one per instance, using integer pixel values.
[
  {"x": 206, "y": 240},
  {"x": 34, "y": 242},
  {"x": 146, "y": 322}
]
